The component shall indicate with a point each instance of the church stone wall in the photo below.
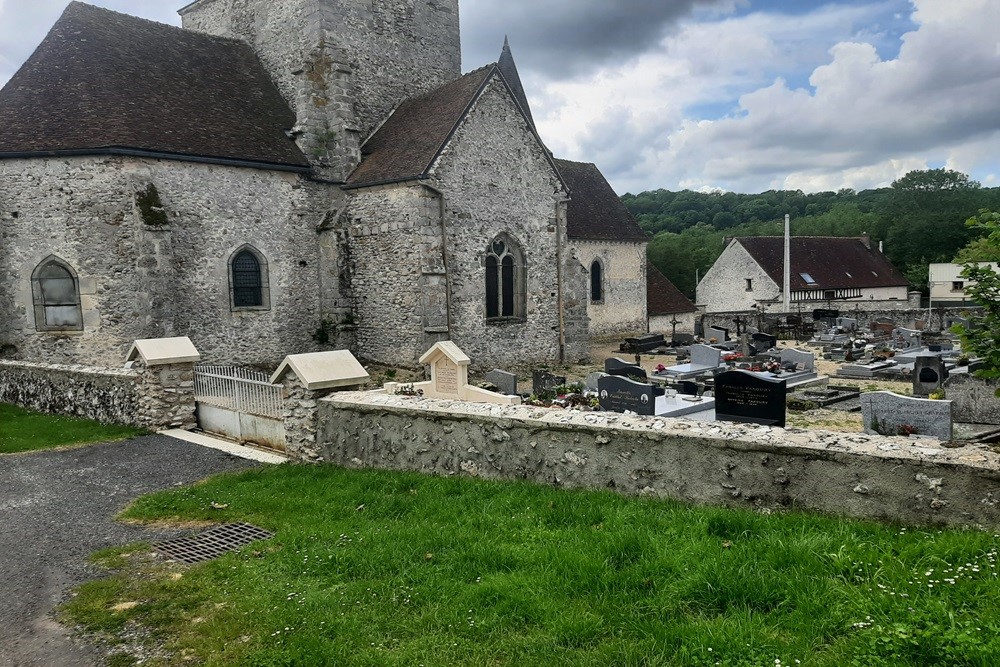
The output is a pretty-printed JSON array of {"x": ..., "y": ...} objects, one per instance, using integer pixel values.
[
  {"x": 623, "y": 309},
  {"x": 342, "y": 65},
  {"x": 496, "y": 178},
  {"x": 397, "y": 270},
  {"x": 143, "y": 281}
]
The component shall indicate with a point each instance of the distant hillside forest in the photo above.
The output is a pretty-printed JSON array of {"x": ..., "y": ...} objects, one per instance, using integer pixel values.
[{"x": 920, "y": 218}]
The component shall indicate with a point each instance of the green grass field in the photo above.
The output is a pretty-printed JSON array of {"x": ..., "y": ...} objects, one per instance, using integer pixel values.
[
  {"x": 375, "y": 568},
  {"x": 24, "y": 431}
]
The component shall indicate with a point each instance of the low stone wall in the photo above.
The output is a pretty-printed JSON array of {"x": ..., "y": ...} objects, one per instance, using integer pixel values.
[
  {"x": 902, "y": 316},
  {"x": 154, "y": 398},
  {"x": 875, "y": 477}
]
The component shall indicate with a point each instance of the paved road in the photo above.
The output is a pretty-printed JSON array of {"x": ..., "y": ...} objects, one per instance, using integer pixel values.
[{"x": 56, "y": 508}]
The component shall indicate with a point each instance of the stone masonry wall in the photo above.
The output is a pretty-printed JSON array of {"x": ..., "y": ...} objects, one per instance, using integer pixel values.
[
  {"x": 723, "y": 287},
  {"x": 139, "y": 280},
  {"x": 858, "y": 475},
  {"x": 342, "y": 65},
  {"x": 154, "y": 398},
  {"x": 904, "y": 316},
  {"x": 496, "y": 179},
  {"x": 398, "y": 282},
  {"x": 623, "y": 309}
]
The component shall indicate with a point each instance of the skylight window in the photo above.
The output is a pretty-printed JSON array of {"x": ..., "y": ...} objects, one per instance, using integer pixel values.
[{"x": 809, "y": 279}]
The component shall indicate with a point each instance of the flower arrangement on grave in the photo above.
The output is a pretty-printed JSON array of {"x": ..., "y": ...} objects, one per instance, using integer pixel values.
[
  {"x": 907, "y": 429},
  {"x": 732, "y": 356},
  {"x": 660, "y": 368}
]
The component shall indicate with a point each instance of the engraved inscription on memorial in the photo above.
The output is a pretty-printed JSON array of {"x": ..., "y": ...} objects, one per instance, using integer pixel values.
[
  {"x": 744, "y": 397},
  {"x": 446, "y": 377}
]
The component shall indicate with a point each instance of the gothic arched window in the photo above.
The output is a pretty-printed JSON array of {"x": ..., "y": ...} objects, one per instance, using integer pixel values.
[
  {"x": 248, "y": 281},
  {"x": 55, "y": 291},
  {"x": 505, "y": 280},
  {"x": 597, "y": 281}
]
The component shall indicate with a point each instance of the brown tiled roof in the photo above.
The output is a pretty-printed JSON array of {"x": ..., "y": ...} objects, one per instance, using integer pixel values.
[
  {"x": 102, "y": 81},
  {"x": 662, "y": 296},
  {"x": 595, "y": 211},
  {"x": 832, "y": 262},
  {"x": 409, "y": 141}
]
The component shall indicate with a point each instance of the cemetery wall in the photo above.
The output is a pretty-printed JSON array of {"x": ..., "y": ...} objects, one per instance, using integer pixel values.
[
  {"x": 662, "y": 323},
  {"x": 623, "y": 308},
  {"x": 905, "y": 316},
  {"x": 143, "y": 276},
  {"x": 496, "y": 178},
  {"x": 155, "y": 398},
  {"x": 761, "y": 467}
]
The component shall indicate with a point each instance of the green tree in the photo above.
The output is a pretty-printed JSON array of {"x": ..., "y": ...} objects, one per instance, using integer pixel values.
[
  {"x": 982, "y": 336},
  {"x": 984, "y": 249}
]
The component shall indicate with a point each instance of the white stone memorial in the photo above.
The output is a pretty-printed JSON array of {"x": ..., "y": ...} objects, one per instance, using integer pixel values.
[{"x": 450, "y": 378}]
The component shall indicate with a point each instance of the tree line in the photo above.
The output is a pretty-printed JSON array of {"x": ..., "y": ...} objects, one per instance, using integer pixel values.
[{"x": 920, "y": 219}]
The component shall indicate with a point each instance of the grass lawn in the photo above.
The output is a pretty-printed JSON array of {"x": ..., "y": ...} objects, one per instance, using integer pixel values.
[
  {"x": 375, "y": 568},
  {"x": 24, "y": 431}
]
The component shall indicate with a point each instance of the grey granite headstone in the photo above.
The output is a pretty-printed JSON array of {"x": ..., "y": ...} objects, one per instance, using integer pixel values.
[
  {"x": 590, "y": 383},
  {"x": 793, "y": 356},
  {"x": 682, "y": 339},
  {"x": 847, "y": 323},
  {"x": 891, "y": 414},
  {"x": 906, "y": 338},
  {"x": 618, "y": 394},
  {"x": 929, "y": 374},
  {"x": 973, "y": 399},
  {"x": 764, "y": 342},
  {"x": 720, "y": 334},
  {"x": 506, "y": 383},
  {"x": 704, "y": 355}
]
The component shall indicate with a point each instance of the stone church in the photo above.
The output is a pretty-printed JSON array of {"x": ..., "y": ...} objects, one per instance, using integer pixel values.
[{"x": 282, "y": 176}]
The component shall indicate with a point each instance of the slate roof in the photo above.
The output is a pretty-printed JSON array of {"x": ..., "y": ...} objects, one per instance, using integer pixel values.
[
  {"x": 409, "y": 141},
  {"x": 832, "y": 262},
  {"x": 509, "y": 70},
  {"x": 663, "y": 297},
  {"x": 105, "y": 82},
  {"x": 596, "y": 213}
]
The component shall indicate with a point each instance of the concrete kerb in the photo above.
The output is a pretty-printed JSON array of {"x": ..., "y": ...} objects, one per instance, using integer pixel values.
[{"x": 232, "y": 448}]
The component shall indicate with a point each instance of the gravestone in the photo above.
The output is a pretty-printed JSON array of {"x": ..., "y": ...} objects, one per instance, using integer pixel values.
[
  {"x": 929, "y": 374},
  {"x": 682, "y": 339},
  {"x": 687, "y": 387},
  {"x": 973, "y": 400},
  {"x": 614, "y": 363},
  {"x": 543, "y": 382},
  {"x": 618, "y": 394},
  {"x": 634, "y": 372},
  {"x": 720, "y": 334},
  {"x": 764, "y": 341},
  {"x": 745, "y": 397},
  {"x": 590, "y": 382},
  {"x": 450, "y": 378},
  {"x": 643, "y": 343},
  {"x": 803, "y": 361},
  {"x": 847, "y": 323},
  {"x": 506, "y": 383},
  {"x": 903, "y": 338},
  {"x": 887, "y": 413},
  {"x": 705, "y": 356}
]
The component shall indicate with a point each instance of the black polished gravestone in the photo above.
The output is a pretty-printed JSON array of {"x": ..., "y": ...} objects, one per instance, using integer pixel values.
[
  {"x": 745, "y": 397},
  {"x": 615, "y": 366},
  {"x": 643, "y": 343},
  {"x": 542, "y": 381},
  {"x": 618, "y": 394}
]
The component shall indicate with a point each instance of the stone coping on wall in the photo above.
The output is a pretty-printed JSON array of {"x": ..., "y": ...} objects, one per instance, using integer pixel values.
[
  {"x": 70, "y": 368},
  {"x": 728, "y": 434}
]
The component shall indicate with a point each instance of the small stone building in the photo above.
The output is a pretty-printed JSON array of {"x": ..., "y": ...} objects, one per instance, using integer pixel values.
[
  {"x": 281, "y": 177},
  {"x": 612, "y": 248},
  {"x": 826, "y": 272}
]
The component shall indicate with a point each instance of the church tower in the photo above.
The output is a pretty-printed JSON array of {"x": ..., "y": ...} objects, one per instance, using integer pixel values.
[{"x": 342, "y": 65}]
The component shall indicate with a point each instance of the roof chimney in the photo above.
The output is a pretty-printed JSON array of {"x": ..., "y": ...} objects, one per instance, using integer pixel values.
[{"x": 867, "y": 240}]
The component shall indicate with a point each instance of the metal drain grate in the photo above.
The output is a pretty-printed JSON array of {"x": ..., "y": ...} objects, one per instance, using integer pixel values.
[{"x": 213, "y": 543}]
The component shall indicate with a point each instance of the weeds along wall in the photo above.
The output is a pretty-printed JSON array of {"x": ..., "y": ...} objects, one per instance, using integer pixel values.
[
  {"x": 872, "y": 477},
  {"x": 154, "y": 398}
]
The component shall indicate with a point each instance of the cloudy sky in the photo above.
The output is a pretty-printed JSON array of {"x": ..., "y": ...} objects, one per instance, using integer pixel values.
[{"x": 741, "y": 95}]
